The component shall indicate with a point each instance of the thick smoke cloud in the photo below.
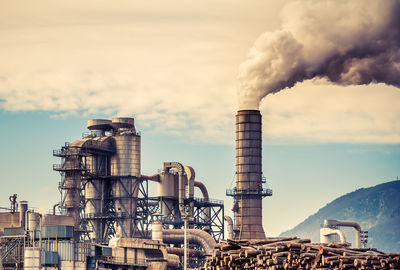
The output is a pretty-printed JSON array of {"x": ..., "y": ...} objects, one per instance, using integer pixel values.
[{"x": 344, "y": 42}]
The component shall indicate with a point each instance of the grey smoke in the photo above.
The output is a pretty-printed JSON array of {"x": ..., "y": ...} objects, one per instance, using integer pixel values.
[{"x": 345, "y": 42}]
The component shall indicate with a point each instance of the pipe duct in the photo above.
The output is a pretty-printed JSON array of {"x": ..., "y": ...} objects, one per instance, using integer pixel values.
[
  {"x": 207, "y": 210},
  {"x": 197, "y": 236},
  {"x": 230, "y": 226},
  {"x": 190, "y": 174},
  {"x": 181, "y": 251},
  {"x": 327, "y": 235},
  {"x": 180, "y": 169},
  {"x": 154, "y": 177},
  {"x": 344, "y": 223}
]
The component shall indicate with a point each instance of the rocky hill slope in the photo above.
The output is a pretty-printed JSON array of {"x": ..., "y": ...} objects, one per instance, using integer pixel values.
[{"x": 376, "y": 209}]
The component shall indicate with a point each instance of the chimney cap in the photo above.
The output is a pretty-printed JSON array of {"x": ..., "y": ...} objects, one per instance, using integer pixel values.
[{"x": 248, "y": 112}]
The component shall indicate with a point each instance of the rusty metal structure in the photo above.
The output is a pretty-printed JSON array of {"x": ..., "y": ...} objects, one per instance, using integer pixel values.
[
  {"x": 250, "y": 186},
  {"x": 105, "y": 193}
]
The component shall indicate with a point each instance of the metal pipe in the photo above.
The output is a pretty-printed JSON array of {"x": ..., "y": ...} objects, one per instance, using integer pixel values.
[
  {"x": 172, "y": 260},
  {"x": 23, "y": 207},
  {"x": 179, "y": 167},
  {"x": 327, "y": 233},
  {"x": 54, "y": 208},
  {"x": 203, "y": 189},
  {"x": 344, "y": 223},
  {"x": 185, "y": 244},
  {"x": 207, "y": 210},
  {"x": 230, "y": 226},
  {"x": 181, "y": 251},
  {"x": 155, "y": 177},
  {"x": 40, "y": 240},
  {"x": 197, "y": 236},
  {"x": 190, "y": 173}
]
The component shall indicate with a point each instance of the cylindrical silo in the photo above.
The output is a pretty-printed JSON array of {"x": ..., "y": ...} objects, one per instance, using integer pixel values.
[
  {"x": 249, "y": 175},
  {"x": 23, "y": 207},
  {"x": 93, "y": 196},
  {"x": 125, "y": 164},
  {"x": 168, "y": 191},
  {"x": 98, "y": 127},
  {"x": 32, "y": 258},
  {"x": 157, "y": 230}
]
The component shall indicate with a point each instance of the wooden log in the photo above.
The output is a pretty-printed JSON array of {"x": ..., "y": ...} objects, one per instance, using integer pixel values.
[
  {"x": 280, "y": 248},
  {"x": 308, "y": 255},
  {"x": 292, "y": 245},
  {"x": 251, "y": 253},
  {"x": 296, "y": 253},
  {"x": 281, "y": 254}
]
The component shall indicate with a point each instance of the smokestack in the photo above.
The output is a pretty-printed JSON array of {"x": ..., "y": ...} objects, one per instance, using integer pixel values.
[{"x": 249, "y": 191}]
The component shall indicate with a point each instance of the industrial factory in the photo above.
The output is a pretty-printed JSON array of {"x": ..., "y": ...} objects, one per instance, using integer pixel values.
[{"x": 108, "y": 219}]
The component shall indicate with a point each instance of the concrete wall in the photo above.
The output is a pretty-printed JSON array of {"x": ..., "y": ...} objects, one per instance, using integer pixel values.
[
  {"x": 54, "y": 220},
  {"x": 9, "y": 220}
]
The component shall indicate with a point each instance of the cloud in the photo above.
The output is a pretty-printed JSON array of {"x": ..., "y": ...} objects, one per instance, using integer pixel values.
[
  {"x": 173, "y": 67},
  {"x": 322, "y": 113}
]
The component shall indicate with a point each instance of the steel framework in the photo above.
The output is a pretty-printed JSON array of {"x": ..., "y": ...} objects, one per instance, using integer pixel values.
[
  {"x": 208, "y": 214},
  {"x": 12, "y": 252}
]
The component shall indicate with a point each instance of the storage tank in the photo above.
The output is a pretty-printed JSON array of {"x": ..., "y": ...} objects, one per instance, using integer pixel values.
[
  {"x": 168, "y": 191},
  {"x": 125, "y": 164},
  {"x": 31, "y": 258},
  {"x": 32, "y": 221},
  {"x": 157, "y": 230},
  {"x": 98, "y": 127}
]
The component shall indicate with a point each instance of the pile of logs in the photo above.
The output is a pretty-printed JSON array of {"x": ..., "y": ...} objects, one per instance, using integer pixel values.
[{"x": 295, "y": 253}]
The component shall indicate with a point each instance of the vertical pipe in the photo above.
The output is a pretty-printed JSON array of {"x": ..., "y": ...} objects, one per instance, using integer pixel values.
[
  {"x": 40, "y": 241},
  {"x": 358, "y": 244},
  {"x": 181, "y": 191},
  {"x": 23, "y": 207},
  {"x": 230, "y": 226},
  {"x": 185, "y": 244}
]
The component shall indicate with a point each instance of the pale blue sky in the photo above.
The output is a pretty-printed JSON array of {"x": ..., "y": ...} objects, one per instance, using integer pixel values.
[{"x": 174, "y": 66}]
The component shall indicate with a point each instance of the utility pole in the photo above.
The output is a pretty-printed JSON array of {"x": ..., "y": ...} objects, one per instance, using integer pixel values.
[{"x": 186, "y": 218}]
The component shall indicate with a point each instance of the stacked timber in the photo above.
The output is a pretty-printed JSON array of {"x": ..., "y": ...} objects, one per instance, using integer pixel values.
[{"x": 295, "y": 253}]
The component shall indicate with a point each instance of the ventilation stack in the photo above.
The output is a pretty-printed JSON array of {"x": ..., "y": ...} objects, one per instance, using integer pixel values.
[{"x": 249, "y": 191}]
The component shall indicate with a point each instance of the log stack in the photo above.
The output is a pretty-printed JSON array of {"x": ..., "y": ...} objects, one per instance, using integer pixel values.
[{"x": 295, "y": 253}]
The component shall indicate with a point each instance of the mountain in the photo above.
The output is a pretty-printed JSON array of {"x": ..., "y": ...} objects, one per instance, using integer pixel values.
[{"x": 376, "y": 209}]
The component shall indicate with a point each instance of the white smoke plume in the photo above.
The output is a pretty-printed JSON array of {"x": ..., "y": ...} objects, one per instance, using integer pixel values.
[{"x": 345, "y": 42}]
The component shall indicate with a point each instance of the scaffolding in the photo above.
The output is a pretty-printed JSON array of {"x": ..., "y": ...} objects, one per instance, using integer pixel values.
[
  {"x": 12, "y": 251},
  {"x": 74, "y": 164},
  {"x": 208, "y": 214},
  {"x": 239, "y": 194}
]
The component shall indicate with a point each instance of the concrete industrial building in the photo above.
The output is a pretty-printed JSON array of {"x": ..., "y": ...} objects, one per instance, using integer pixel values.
[{"x": 107, "y": 218}]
